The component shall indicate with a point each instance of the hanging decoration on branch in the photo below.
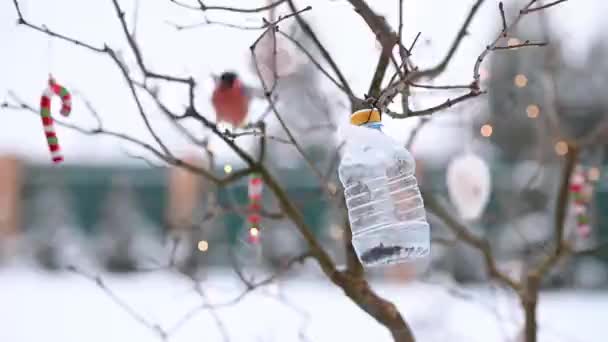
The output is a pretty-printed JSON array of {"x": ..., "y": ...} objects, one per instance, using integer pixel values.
[
  {"x": 255, "y": 188},
  {"x": 469, "y": 185},
  {"x": 231, "y": 99},
  {"x": 385, "y": 207},
  {"x": 54, "y": 88},
  {"x": 581, "y": 189},
  {"x": 274, "y": 55}
]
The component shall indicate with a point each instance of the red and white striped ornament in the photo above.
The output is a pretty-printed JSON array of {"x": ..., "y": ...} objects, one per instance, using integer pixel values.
[
  {"x": 581, "y": 189},
  {"x": 254, "y": 191},
  {"x": 47, "y": 120}
]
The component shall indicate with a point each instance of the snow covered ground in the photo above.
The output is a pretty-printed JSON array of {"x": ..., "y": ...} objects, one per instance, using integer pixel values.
[{"x": 66, "y": 307}]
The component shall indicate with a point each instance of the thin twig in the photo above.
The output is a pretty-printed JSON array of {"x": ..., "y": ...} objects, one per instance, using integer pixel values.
[
  {"x": 344, "y": 85},
  {"x": 527, "y": 43},
  {"x": 278, "y": 116},
  {"x": 539, "y": 8},
  {"x": 491, "y": 47},
  {"x": 561, "y": 210},
  {"x": 463, "y": 234},
  {"x": 504, "y": 20},
  {"x": 428, "y": 86},
  {"x": 427, "y": 111},
  {"x": 121, "y": 303},
  {"x": 160, "y": 155},
  {"x": 21, "y": 21},
  {"x": 208, "y": 22},
  {"x": 414, "y": 42},
  {"x": 137, "y": 52},
  {"x": 204, "y": 8},
  {"x": 249, "y": 287},
  {"x": 317, "y": 64},
  {"x": 462, "y": 32}
]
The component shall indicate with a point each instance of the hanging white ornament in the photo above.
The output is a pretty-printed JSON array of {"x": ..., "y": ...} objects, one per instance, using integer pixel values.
[
  {"x": 276, "y": 55},
  {"x": 469, "y": 185}
]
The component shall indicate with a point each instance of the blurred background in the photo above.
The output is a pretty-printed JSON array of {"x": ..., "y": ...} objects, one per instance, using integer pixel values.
[{"x": 137, "y": 234}]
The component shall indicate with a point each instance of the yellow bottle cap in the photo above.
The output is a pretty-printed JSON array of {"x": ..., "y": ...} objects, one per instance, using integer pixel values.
[{"x": 364, "y": 116}]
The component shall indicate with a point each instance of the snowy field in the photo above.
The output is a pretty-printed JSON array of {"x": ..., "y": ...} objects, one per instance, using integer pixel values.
[{"x": 66, "y": 307}]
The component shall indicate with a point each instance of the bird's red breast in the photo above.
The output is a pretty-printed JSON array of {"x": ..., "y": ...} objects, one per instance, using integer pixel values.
[{"x": 231, "y": 104}]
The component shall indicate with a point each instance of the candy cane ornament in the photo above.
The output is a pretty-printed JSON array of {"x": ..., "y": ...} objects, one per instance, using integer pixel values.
[
  {"x": 47, "y": 120},
  {"x": 254, "y": 190},
  {"x": 581, "y": 189}
]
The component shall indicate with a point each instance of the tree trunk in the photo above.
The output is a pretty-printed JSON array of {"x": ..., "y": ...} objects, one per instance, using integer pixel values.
[
  {"x": 402, "y": 334},
  {"x": 529, "y": 302},
  {"x": 354, "y": 286},
  {"x": 530, "y": 323},
  {"x": 383, "y": 311}
]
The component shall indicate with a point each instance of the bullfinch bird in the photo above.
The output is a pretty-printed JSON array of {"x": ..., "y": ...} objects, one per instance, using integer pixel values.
[{"x": 231, "y": 99}]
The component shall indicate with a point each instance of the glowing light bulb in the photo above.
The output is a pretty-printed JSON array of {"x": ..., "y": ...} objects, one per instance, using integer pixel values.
[
  {"x": 532, "y": 111},
  {"x": 203, "y": 246},
  {"x": 520, "y": 80},
  {"x": 561, "y": 148},
  {"x": 486, "y": 130},
  {"x": 594, "y": 174},
  {"x": 332, "y": 188},
  {"x": 228, "y": 168},
  {"x": 254, "y": 232},
  {"x": 254, "y": 235},
  {"x": 336, "y": 232}
]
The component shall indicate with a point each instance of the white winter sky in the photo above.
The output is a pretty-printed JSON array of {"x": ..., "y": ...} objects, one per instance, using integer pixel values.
[{"x": 27, "y": 57}]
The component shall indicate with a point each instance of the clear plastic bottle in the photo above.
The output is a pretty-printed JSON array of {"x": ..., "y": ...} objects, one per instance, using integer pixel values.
[{"x": 385, "y": 208}]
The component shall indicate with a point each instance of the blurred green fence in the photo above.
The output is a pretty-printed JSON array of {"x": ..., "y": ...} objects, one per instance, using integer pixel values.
[{"x": 87, "y": 188}]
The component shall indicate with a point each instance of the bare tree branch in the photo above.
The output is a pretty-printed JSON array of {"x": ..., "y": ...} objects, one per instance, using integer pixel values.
[
  {"x": 462, "y": 32},
  {"x": 427, "y": 111},
  {"x": 517, "y": 46},
  {"x": 162, "y": 334},
  {"x": 317, "y": 64},
  {"x": 504, "y": 20},
  {"x": 278, "y": 116},
  {"x": 137, "y": 52},
  {"x": 249, "y": 287},
  {"x": 503, "y": 33},
  {"x": 21, "y": 21},
  {"x": 560, "y": 215},
  {"x": 463, "y": 234},
  {"x": 204, "y": 8},
  {"x": 324, "y": 52},
  {"x": 539, "y": 8},
  {"x": 160, "y": 155}
]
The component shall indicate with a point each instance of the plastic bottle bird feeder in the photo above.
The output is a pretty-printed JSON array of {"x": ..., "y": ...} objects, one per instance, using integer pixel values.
[{"x": 385, "y": 207}]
